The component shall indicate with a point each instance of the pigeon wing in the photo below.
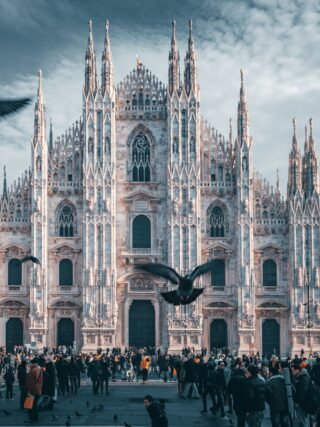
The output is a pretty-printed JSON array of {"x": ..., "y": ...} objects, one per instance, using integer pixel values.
[
  {"x": 195, "y": 293},
  {"x": 171, "y": 297},
  {"x": 10, "y": 106},
  {"x": 202, "y": 269},
  {"x": 160, "y": 270},
  {"x": 31, "y": 258}
]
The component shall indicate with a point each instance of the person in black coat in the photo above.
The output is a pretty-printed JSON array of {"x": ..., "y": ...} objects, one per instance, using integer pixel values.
[
  {"x": 49, "y": 381},
  {"x": 156, "y": 412},
  {"x": 190, "y": 379},
  {"x": 105, "y": 374},
  {"x": 9, "y": 380},
  {"x": 73, "y": 375},
  {"x": 219, "y": 389},
  {"x": 277, "y": 398},
  {"x": 238, "y": 388},
  {"x": 301, "y": 383},
  {"x": 22, "y": 376},
  {"x": 255, "y": 403}
]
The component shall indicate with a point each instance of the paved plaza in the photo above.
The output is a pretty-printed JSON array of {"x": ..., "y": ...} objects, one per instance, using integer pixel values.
[{"x": 125, "y": 400}]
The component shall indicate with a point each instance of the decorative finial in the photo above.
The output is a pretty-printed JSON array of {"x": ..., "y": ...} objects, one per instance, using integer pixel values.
[
  {"x": 278, "y": 181},
  {"x": 190, "y": 27},
  {"x": 241, "y": 76},
  {"x": 107, "y": 25},
  {"x": 311, "y": 127},
  {"x": 90, "y": 26},
  {"x": 173, "y": 38},
  {"x": 138, "y": 60}
]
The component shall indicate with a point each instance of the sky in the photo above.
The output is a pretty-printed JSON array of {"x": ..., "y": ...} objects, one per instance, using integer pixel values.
[{"x": 275, "y": 42}]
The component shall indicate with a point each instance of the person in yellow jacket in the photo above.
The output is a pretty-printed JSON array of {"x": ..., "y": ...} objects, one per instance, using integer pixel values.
[{"x": 144, "y": 365}]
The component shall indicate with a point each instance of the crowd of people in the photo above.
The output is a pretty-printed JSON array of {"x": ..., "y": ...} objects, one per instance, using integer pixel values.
[{"x": 240, "y": 385}]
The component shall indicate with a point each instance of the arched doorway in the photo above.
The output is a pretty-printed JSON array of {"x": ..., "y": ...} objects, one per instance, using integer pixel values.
[
  {"x": 14, "y": 333},
  {"x": 270, "y": 337},
  {"x": 65, "y": 332},
  {"x": 141, "y": 324},
  {"x": 218, "y": 334}
]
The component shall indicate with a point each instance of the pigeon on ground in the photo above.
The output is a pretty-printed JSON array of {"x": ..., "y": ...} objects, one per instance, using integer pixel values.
[
  {"x": 32, "y": 258},
  {"x": 115, "y": 418},
  {"x": 69, "y": 418},
  {"x": 10, "y": 106},
  {"x": 185, "y": 294},
  {"x": 93, "y": 409},
  {"x": 78, "y": 414},
  {"x": 126, "y": 424},
  {"x": 68, "y": 424},
  {"x": 6, "y": 413},
  {"x": 88, "y": 403},
  {"x": 54, "y": 417},
  {"x": 101, "y": 407}
]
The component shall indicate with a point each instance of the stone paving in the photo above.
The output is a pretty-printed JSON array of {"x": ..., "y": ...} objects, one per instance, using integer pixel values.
[{"x": 125, "y": 400}]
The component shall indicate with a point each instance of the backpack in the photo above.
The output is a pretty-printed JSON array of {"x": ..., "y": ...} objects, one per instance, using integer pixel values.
[{"x": 312, "y": 400}]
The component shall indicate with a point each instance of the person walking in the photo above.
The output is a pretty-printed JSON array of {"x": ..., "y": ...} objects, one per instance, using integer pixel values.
[
  {"x": 238, "y": 389},
  {"x": 144, "y": 366},
  {"x": 22, "y": 376},
  {"x": 49, "y": 381},
  {"x": 255, "y": 402},
  {"x": 190, "y": 379},
  {"x": 301, "y": 383},
  {"x": 219, "y": 389},
  {"x": 156, "y": 412},
  {"x": 277, "y": 398},
  {"x": 9, "y": 380},
  {"x": 106, "y": 373},
  {"x": 73, "y": 375},
  {"x": 34, "y": 382}
]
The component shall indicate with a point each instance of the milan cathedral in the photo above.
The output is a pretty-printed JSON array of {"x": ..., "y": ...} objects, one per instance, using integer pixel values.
[{"x": 143, "y": 177}]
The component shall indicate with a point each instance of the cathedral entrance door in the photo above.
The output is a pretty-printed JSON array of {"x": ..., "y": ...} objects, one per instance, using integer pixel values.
[
  {"x": 14, "y": 333},
  {"x": 270, "y": 337},
  {"x": 218, "y": 334},
  {"x": 141, "y": 324},
  {"x": 65, "y": 332}
]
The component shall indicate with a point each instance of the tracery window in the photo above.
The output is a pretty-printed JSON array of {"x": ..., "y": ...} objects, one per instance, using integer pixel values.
[
  {"x": 141, "y": 159},
  {"x": 66, "y": 225},
  {"x": 217, "y": 222}
]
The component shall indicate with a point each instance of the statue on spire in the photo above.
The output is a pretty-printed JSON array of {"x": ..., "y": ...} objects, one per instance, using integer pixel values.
[
  {"x": 107, "y": 66},
  {"x": 174, "y": 62},
  {"x": 190, "y": 71},
  {"x": 90, "y": 69}
]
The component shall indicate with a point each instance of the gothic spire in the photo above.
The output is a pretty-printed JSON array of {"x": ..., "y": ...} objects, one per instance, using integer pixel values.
[
  {"x": 5, "y": 189},
  {"x": 295, "y": 167},
  {"x": 90, "y": 71},
  {"x": 39, "y": 114},
  {"x": 107, "y": 68},
  {"x": 174, "y": 66},
  {"x": 243, "y": 115},
  {"x": 310, "y": 164},
  {"x": 190, "y": 72}
]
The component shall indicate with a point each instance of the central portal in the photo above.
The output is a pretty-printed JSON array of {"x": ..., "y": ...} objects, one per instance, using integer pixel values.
[{"x": 142, "y": 324}]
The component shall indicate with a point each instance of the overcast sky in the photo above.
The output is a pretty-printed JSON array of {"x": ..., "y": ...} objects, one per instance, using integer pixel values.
[{"x": 276, "y": 42}]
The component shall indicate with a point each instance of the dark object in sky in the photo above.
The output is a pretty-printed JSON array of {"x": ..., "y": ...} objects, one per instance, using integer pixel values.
[
  {"x": 10, "y": 106},
  {"x": 31, "y": 258},
  {"x": 185, "y": 294}
]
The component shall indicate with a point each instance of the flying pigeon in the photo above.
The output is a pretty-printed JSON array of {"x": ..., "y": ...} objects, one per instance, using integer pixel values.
[
  {"x": 32, "y": 258},
  {"x": 185, "y": 294},
  {"x": 10, "y": 106}
]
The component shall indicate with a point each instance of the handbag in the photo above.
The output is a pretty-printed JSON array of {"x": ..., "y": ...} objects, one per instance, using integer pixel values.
[{"x": 28, "y": 403}]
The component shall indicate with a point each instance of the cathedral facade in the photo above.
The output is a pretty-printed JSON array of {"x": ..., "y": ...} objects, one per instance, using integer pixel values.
[{"x": 142, "y": 177}]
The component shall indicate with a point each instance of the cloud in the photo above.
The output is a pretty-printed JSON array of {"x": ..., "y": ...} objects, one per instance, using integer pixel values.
[{"x": 274, "y": 41}]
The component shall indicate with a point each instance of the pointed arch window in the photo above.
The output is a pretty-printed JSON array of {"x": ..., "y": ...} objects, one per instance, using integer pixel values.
[
  {"x": 141, "y": 232},
  {"x": 140, "y": 159},
  {"x": 65, "y": 272},
  {"x": 217, "y": 222},
  {"x": 14, "y": 272},
  {"x": 66, "y": 222},
  {"x": 269, "y": 273},
  {"x": 218, "y": 275}
]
